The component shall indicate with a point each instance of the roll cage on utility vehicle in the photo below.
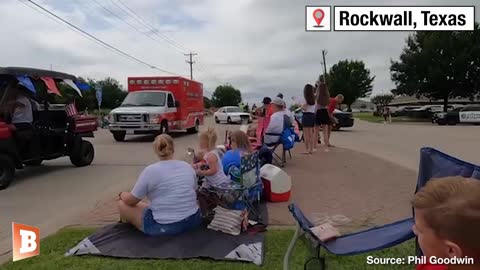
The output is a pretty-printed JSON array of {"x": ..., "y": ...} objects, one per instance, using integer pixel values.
[{"x": 55, "y": 131}]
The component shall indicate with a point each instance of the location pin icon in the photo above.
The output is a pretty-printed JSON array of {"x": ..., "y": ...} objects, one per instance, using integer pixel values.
[{"x": 318, "y": 16}]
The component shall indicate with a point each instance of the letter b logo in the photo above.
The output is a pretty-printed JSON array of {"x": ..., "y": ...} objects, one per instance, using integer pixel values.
[{"x": 25, "y": 241}]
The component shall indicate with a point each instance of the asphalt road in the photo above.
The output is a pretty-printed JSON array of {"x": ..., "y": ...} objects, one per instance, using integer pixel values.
[{"x": 55, "y": 194}]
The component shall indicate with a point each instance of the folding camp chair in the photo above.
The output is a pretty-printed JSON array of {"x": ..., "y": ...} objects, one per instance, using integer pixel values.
[
  {"x": 244, "y": 193},
  {"x": 433, "y": 164},
  {"x": 250, "y": 179},
  {"x": 279, "y": 159}
]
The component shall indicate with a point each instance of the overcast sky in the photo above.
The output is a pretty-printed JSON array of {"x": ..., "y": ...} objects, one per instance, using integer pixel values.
[{"x": 259, "y": 46}]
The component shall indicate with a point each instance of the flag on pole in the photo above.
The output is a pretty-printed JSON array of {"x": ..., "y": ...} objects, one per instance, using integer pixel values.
[
  {"x": 52, "y": 87},
  {"x": 82, "y": 85},
  {"x": 73, "y": 85},
  {"x": 25, "y": 81}
]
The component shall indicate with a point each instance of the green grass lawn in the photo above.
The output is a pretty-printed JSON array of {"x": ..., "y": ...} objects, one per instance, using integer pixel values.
[
  {"x": 368, "y": 116},
  {"x": 53, "y": 247}
]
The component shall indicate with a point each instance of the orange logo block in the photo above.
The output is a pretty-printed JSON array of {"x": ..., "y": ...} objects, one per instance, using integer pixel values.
[{"x": 25, "y": 241}]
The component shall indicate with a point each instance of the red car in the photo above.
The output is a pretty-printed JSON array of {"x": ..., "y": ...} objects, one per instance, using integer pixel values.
[{"x": 54, "y": 132}]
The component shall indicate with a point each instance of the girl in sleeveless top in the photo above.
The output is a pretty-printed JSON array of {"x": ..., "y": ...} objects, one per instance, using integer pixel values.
[
  {"x": 308, "y": 119},
  {"x": 213, "y": 173}
]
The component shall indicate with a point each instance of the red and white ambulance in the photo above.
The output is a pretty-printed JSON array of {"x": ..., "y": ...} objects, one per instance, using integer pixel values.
[{"x": 157, "y": 105}]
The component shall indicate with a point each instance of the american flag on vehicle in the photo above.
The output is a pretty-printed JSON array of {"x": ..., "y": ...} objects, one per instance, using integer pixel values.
[{"x": 71, "y": 109}]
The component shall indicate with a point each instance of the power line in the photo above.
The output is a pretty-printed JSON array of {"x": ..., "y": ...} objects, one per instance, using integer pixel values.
[
  {"x": 132, "y": 14},
  {"x": 124, "y": 21},
  {"x": 138, "y": 18},
  {"x": 59, "y": 23},
  {"x": 105, "y": 44},
  {"x": 176, "y": 45}
]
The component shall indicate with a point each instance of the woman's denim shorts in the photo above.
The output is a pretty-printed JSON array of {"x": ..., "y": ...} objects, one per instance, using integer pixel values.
[{"x": 151, "y": 227}]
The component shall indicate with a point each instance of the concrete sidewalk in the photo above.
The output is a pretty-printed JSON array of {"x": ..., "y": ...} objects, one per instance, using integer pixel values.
[{"x": 352, "y": 189}]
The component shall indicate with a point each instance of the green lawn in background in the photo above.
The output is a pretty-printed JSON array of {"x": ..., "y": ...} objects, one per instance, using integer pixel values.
[{"x": 53, "y": 247}]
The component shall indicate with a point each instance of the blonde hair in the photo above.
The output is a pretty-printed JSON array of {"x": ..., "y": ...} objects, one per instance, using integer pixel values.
[
  {"x": 241, "y": 139},
  {"x": 210, "y": 135},
  {"x": 323, "y": 96},
  {"x": 163, "y": 146},
  {"x": 340, "y": 96},
  {"x": 451, "y": 209}
]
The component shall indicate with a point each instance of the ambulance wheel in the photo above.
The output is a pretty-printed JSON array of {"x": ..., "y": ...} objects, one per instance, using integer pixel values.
[
  {"x": 119, "y": 136},
  {"x": 7, "y": 171},
  {"x": 163, "y": 128},
  {"x": 195, "y": 129}
]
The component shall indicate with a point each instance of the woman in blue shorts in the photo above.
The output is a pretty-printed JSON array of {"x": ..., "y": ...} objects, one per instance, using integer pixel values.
[{"x": 170, "y": 187}]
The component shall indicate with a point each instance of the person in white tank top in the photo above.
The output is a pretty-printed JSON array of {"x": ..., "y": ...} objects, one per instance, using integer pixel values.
[
  {"x": 213, "y": 173},
  {"x": 309, "y": 109},
  {"x": 219, "y": 177}
]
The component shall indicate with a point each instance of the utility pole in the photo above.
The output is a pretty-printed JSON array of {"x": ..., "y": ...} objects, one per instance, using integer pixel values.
[
  {"x": 191, "y": 62},
  {"x": 324, "y": 52}
]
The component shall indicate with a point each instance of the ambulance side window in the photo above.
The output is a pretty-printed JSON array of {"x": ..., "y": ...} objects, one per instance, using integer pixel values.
[{"x": 170, "y": 102}]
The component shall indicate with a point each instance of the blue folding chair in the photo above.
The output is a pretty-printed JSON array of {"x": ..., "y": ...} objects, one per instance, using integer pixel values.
[
  {"x": 246, "y": 191},
  {"x": 433, "y": 164}
]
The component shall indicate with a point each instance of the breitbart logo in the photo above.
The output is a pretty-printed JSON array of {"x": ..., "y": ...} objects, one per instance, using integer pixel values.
[{"x": 25, "y": 241}]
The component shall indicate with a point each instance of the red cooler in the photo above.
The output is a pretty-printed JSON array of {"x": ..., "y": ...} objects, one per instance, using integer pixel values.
[{"x": 277, "y": 184}]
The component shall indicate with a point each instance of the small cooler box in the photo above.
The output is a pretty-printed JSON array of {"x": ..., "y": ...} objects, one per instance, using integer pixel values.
[{"x": 277, "y": 184}]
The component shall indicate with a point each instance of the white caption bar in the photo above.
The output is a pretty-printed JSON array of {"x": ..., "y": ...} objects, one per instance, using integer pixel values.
[{"x": 403, "y": 18}]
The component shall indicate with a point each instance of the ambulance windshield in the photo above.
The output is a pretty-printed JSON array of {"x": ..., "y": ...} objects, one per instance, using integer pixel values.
[{"x": 135, "y": 99}]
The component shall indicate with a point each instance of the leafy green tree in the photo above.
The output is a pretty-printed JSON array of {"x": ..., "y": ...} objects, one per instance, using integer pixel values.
[
  {"x": 439, "y": 65},
  {"x": 382, "y": 100},
  {"x": 112, "y": 96},
  {"x": 351, "y": 79},
  {"x": 113, "y": 92},
  {"x": 207, "y": 103},
  {"x": 226, "y": 95}
]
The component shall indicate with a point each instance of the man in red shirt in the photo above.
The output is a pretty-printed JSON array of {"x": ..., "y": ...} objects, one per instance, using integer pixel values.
[{"x": 332, "y": 105}]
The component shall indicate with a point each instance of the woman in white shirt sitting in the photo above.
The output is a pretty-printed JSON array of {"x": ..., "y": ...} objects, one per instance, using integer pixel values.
[{"x": 170, "y": 187}]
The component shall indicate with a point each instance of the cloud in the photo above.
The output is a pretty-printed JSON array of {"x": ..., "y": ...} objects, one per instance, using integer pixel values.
[{"x": 259, "y": 46}]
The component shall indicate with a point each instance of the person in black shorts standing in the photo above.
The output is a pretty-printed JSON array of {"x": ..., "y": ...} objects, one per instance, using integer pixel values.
[
  {"x": 308, "y": 119},
  {"x": 322, "y": 116}
]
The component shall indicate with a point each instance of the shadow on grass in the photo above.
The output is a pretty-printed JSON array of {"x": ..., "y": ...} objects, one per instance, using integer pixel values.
[{"x": 53, "y": 247}]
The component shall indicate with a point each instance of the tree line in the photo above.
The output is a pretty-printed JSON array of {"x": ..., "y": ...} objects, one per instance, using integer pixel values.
[{"x": 113, "y": 94}]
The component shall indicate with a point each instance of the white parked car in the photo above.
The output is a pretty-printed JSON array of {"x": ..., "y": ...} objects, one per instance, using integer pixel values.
[{"x": 232, "y": 114}]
